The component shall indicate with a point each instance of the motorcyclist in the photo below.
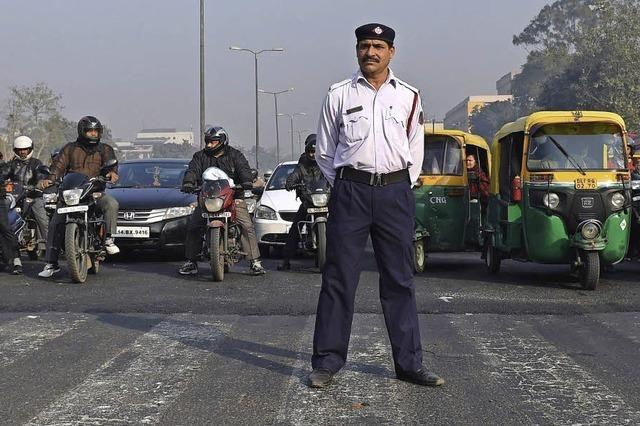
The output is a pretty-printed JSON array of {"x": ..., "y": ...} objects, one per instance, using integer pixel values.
[
  {"x": 86, "y": 155},
  {"x": 218, "y": 153},
  {"x": 23, "y": 169},
  {"x": 306, "y": 171},
  {"x": 8, "y": 240}
]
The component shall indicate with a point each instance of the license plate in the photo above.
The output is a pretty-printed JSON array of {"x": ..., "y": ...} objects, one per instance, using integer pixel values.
[
  {"x": 73, "y": 209},
  {"x": 216, "y": 215},
  {"x": 132, "y": 232},
  {"x": 318, "y": 210},
  {"x": 586, "y": 183}
]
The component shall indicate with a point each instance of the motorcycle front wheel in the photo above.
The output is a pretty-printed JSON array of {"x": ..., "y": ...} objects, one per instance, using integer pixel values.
[
  {"x": 76, "y": 252},
  {"x": 216, "y": 256}
]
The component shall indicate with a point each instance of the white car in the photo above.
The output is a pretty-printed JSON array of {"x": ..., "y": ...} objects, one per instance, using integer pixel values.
[{"x": 276, "y": 209}]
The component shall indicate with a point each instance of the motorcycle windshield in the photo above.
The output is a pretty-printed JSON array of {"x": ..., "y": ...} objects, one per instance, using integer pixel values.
[
  {"x": 318, "y": 185},
  {"x": 213, "y": 188},
  {"x": 73, "y": 180}
]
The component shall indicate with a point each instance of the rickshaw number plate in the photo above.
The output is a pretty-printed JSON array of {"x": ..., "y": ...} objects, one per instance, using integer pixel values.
[{"x": 586, "y": 183}]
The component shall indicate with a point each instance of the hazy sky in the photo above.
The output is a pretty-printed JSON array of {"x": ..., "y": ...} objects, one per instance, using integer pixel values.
[{"x": 134, "y": 63}]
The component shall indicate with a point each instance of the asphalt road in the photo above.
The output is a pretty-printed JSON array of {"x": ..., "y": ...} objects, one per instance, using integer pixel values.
[{"x": 138, "y": 344}]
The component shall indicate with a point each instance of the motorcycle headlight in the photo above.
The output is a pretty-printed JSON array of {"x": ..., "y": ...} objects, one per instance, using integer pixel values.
[
  {"x": 213, "y": 205},
  {"x": 319, "y": 200},
  {"x": 590, "y": 230},
  {"x": 617, "y": 200},
  {"x": 551, "y": 200},
  {"x": 173, "y": 212},
  {"x": 50, "y": 198},
  {"x": 72, "y": 196},
  {"x": 264, "y": 212}
]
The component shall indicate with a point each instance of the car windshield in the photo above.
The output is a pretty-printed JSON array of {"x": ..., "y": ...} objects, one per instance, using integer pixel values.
[
  {"x": 442, "y": 156},
  {"x": 576, "y": 146},
  {"x": 279, "y": 177},
  {"x": 150, "y": 175}
]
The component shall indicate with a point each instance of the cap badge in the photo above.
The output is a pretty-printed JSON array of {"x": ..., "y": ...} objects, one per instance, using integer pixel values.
[{"x": 377, "y": 30}]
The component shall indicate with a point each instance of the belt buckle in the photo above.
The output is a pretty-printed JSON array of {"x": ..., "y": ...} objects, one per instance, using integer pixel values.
[{"x": 377, "y": 179}]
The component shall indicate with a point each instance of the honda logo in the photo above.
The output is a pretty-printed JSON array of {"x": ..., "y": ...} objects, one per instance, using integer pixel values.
[{"x": 129, "y": 215}]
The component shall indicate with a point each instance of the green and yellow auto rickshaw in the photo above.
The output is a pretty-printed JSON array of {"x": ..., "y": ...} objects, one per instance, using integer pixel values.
[
  {"x": 449, "y": 203},
  {"x": 560, "y": 192}
]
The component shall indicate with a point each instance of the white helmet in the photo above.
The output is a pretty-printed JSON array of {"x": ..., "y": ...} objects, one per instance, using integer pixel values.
[{"x": 23, "y": 142}]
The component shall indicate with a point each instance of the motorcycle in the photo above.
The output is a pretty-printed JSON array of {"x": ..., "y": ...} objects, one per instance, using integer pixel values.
[
  {"x": 313, "y": 230},
  {"x": 84, "y": 233},
  {"x": 222, "y": 243},
  {"x": 21, "y": 219}
]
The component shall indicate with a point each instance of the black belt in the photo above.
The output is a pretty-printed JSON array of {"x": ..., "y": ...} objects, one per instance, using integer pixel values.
[{"x": 373, "y": 179}]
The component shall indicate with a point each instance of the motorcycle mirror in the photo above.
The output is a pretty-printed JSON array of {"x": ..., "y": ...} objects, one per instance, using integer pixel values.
[
  {"x": 43, "y": 170},
  {"x": 108, "y": 165}
]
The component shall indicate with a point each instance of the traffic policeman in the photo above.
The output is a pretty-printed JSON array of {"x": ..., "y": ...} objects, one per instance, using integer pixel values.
[{"x": 370, "y": 147}]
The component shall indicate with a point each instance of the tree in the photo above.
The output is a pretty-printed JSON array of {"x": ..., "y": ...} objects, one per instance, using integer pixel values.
[{"x": 486, "y": 121}]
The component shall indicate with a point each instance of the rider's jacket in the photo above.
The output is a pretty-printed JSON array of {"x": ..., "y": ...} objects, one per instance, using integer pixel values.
[
  {"x": 232, "y": 162},
  {"x": 306, "y": 171},
  {"x": 81, "y": 157},
  {"x": 22, "y": 171}
]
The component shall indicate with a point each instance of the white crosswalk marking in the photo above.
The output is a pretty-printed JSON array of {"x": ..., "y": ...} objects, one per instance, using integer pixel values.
[
  {"x": 544, "y": 377},
  {"x": 365, "y": 388},
  {"x": 138, "y": 384},
  {"x": 27, "y": 334}
]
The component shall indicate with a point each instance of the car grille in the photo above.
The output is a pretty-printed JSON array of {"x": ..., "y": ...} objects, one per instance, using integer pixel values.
[
  {"x": 141, "y": 216},
  {"x": 288, "y": 216}
]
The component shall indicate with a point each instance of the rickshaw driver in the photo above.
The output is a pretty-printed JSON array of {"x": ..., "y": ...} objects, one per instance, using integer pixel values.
[{"x": 544, "y": 153}]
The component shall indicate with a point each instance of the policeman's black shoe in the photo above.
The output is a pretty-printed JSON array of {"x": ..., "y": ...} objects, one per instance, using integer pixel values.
[
  {"x": 17, "y": 270},
  {"x": 421, "y": 377},
  {"x": 188, "y": 268},
  {"x": 257, "y": 268},
  {"x": 320, "y": 377},
  {"x": 284, "y": 266}
]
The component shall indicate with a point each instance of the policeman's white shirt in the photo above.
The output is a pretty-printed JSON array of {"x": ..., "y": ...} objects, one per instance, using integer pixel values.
[{"x": 366, "y": 129}]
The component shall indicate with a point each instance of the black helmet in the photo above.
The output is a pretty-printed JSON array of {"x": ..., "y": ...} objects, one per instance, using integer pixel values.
[
  {"x": 215, "y": 133},
  {"x": 310, "y": 144},
  {"x": 87, "y": 123},
  {"x": 254, "y": 174}
]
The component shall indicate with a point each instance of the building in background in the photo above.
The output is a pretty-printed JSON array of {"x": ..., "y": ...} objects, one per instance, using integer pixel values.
[
  {"x": 458, "y": 117},
  {"x": 148, "y": 141},
  {"x": 155, "y": 136},
  {"x": 504, "y": 84}
]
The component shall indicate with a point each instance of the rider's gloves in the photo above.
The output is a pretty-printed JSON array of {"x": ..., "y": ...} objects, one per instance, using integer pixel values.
[{"x": 43, "y": 184}]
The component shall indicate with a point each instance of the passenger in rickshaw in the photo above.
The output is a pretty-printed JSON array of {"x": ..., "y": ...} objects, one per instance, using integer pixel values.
[
  {"x": 478, "y": 181},
  {"x": 584, "y": 158}
]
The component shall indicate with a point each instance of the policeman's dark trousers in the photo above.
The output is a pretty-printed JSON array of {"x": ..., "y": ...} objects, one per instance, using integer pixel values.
[
  {"x": 197, "y": 227},
  {"x": 387, "y": 214},
  {"x": 294, "y": 234},
  {"x": 8, "y": 242}
]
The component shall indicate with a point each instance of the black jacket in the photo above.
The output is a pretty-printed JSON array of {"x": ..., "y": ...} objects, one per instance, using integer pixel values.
[
  {"x": 24, "y": 172},
  {"x": 306, "y": 171},
  {"x": 232, "y": 162}
]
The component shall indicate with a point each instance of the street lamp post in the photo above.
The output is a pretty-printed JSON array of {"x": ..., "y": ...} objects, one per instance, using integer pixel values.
[
  {"x": 291, "y": 116},
  {"x": 201, "y": 74},
  {"x": 275, "y": 101},
  {"x": 255, "y": 62}
]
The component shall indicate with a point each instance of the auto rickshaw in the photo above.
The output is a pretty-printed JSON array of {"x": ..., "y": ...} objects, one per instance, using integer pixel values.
[
  {"x": 560, "y": 192},
  {"x": 448, "y": 216}
]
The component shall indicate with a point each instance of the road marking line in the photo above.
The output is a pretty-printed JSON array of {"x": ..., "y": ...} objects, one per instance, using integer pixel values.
[
  {"x": 27, "y": 334},
  {"x": 138, "y": 384},
  {"x": 544, "y": 377},
  {"x": 362, "y": 390}
]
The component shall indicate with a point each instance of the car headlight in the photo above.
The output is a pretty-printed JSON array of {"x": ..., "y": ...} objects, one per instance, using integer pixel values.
[
  {"x": 213, "y": 205},
  {"x": 72, "y": 196},
  {"x": 319, "y": 200},
  {"x": 50, "y": 198},
  {"x": 551, "y": 200},
  {"x": 590, "y": 230},
  {"x": 173, "y": 212},
  {"x": 617, "y": 200},
  {"x": 264, "y": 212}
]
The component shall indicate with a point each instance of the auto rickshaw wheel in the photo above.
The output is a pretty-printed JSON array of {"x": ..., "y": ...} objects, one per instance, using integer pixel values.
[
  {"x": 492, "y": 259},
  {"x": 419, "y": 257},
  {"x": 589, "y": 270}
]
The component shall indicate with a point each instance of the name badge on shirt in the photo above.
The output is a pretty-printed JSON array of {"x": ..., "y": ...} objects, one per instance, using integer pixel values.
[{"x": 354, "y": 109}]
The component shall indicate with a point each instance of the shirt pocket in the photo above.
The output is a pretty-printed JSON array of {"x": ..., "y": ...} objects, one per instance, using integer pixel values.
[
  {"x": 394, "y": 127},
  {"x": 356, "y": 127}
]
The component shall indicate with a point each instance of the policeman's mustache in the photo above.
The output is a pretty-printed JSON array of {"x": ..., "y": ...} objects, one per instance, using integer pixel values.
[{"x": 370, "y": 58}]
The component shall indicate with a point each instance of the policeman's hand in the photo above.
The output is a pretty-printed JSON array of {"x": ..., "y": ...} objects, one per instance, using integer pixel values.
[
  {"x": 44, "y": 184},
  {"x": 188, "y": 188},
  {"x": 113, "y": 177},
  {"x": 416, "y": 184}
]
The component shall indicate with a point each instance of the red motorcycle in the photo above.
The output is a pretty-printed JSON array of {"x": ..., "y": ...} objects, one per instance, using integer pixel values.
[{"x": 222, "y": 241}]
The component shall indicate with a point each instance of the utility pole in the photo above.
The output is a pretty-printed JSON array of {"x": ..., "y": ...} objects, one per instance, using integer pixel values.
[{"x": 202, "y": 74}]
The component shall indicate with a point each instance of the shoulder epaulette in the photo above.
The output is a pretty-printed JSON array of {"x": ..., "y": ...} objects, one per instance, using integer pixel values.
[
  {"x": 339, "y": 84},
  {"x": 408, "y": 86}
]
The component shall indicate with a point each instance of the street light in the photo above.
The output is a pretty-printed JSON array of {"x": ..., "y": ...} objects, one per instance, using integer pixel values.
[
  {"x": 291, "y": 116},
  {"x": 275, "y": 100},
  {"x": 255, "y": 61}
]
